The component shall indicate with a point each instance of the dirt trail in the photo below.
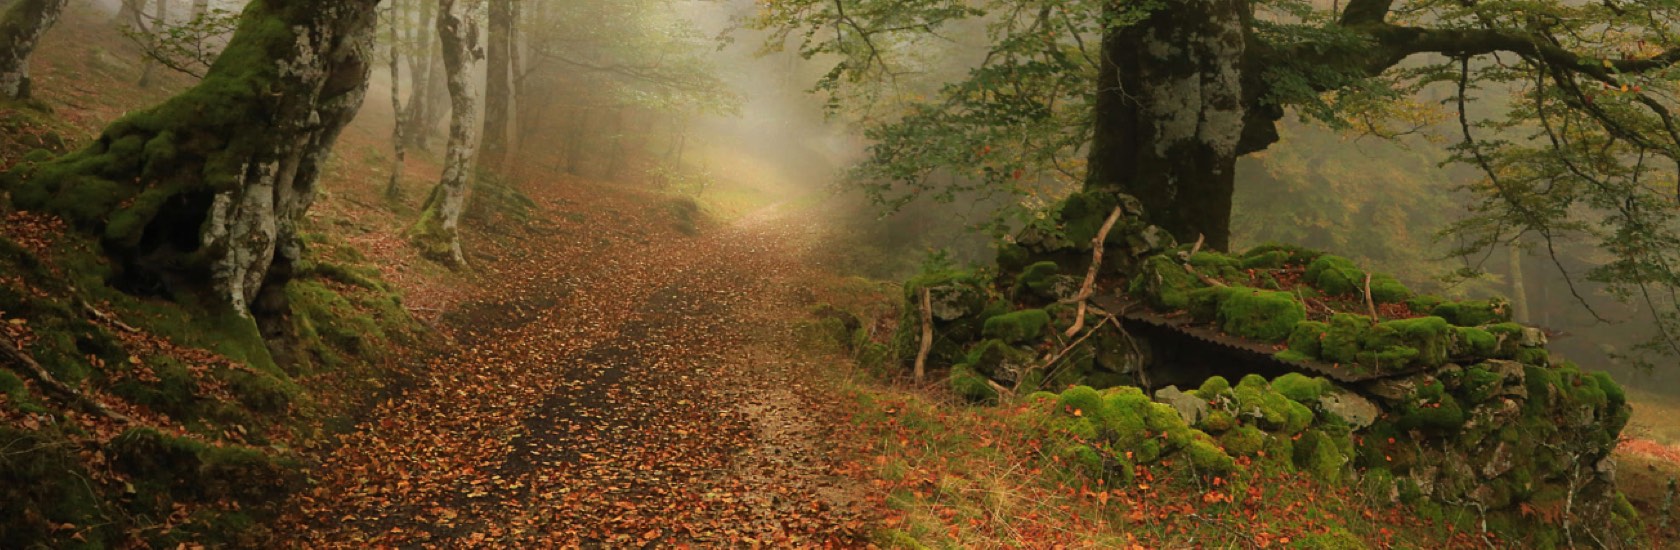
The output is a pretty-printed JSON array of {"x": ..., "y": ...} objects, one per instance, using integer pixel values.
[{"x": 657, "y": 404}]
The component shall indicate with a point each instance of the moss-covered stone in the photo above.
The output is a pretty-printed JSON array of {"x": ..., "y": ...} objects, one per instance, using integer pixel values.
[
  {"x": 1164, "y": 284},
  {"x": 1081, "y": 401},
  {"x": 1017, "y": 327},
  {"x": 1338, "y": 276},
  {"x": 1301, "y": 388},
  {"x": 1425, "y": 341},
  {"x": 1039, "y": 279},
  {"x": 1248, "y": 313},
  {"x": 1474, "y": 313},
  {"x": 971, "y": 385},
  {"x": 1243, "y": 441}
]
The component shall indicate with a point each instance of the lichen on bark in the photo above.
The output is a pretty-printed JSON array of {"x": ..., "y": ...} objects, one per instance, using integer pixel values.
[
  {"x": 21, "y": 28},
  {"x": 438, "y": 232},
  {"x": 201, "y": 195}
]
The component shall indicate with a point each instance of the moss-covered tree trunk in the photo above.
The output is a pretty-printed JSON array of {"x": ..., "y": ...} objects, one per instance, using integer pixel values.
[
  {"x": 203, "y": 193},
  {"x": 1170, "y": 115},
  {"x": 21, "y": 28},
  {"x": 498, "y": 87},
  {"x": 438, "y": 231}
]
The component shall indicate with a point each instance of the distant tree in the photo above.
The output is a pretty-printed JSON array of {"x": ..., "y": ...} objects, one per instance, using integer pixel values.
[
  {"x": 200, "y": 197},
  {"x": 438, "y": 233},
  {"x": 21, "y": 28},
  {"x": 498, "y": 87}
]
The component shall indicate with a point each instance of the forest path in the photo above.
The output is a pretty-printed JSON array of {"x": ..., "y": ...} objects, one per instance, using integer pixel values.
[{"x": 654, "y": 400}]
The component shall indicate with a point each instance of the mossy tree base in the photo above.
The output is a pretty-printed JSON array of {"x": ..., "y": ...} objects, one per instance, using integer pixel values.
[{"x": 203, "y": 193}]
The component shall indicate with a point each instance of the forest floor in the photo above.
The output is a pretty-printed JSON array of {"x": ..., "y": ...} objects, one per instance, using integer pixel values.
[
  {"x": 608, "y": 379},
  {"x": 653, "y": 401}
]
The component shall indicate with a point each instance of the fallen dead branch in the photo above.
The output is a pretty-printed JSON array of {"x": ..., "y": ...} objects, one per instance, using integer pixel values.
[
  {"x": 26, "y": 365},
  {"x": 927, "y": 336},
  {"x": 1085, "y": 290},
  {"x": 107, "y": 318}
]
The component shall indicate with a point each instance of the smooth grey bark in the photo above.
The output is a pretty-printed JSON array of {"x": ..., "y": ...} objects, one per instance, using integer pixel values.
[
  {"x": 438, "y": 231},
  {"x": 21, "y": 29}
]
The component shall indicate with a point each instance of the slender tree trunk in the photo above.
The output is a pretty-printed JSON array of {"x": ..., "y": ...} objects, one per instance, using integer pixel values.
[
  {"x": 1170, "y": 115},
  {"x": 516, "y": 69},
  {"x": 1519, "y": 291},
  {"x": 423, "y": 71},
  {"x": 149, "y": 67},
  {"x": 21, "y": 28},
  {"x": 498, "y": 88},
  {"x": 202, "y": 194},
  {"x": 393, "y": 188},
  {"x": 438, "y": 231},
  {"x": 129, "y": 12},
  {"x": 615, "y": 159},
  {"x": 582, "y": 123}
]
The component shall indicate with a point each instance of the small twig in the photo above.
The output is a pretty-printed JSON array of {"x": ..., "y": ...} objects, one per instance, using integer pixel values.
[
  {"x": 1070, "y": 347},
  {"x": 1085, "y": 290},
  {"x": 1210, "y": 281},
  {"x": 1369, "y": 303},
  {"x": 28, "y": 366},
  {"x": 927, "y": 336}
]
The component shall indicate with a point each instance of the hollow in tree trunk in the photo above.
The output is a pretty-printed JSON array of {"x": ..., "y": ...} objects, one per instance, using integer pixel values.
[
  {"x": 438, "y": 232},
  {"x": 202, "y": 194},
  {"x": 21, "y": 28}
]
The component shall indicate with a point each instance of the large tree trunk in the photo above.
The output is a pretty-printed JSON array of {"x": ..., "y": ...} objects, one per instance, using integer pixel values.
[
  {"x": 203, "y": 194},
  {"x": 438, "y": 231},
  {"x": 1170, "y": 115},
  {"x": 498, "y": 87},
  {"x": 20, "y": 30}
]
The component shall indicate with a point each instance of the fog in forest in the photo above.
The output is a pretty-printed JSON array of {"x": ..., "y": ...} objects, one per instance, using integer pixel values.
[{"x": 839, "y": 273}]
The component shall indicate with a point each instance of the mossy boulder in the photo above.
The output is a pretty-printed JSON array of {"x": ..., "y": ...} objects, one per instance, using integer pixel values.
[
  {"x": 1398, "y": 344},
  {"x": 1000, "y": 361},
  {"x": 971, "y": 385},
  {"x": 1474, "y": 313},
  {"x": 1163, "y": 283},
  {"x": 1338, "y": 276},
  {"x": 1017, "y": 327}
]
